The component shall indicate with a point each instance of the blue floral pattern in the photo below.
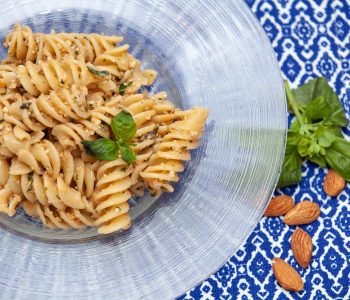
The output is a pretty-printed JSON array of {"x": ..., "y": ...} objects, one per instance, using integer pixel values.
[{"x": 310, "y": 38}]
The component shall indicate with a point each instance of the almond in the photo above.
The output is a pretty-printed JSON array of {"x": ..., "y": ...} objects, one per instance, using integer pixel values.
[
  {"x": 279, "y": 206},
  {"x": 304, "y": 212},
  {"x": 286, "y": 275},
  {"x": 302, "y": 247},
  {"x": 333, "y": 184}
]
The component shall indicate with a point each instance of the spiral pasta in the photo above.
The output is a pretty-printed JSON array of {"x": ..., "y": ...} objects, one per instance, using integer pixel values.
[
  {"x": 8, "y": 78},
  {"x": 23, "y": 44},
  {"x": 53, "y": 75},
  {"x": 46, "y": 111},
  {"x": 10, "y": 196},
  {"x": 120, "y": 63},
  {"x": 111, "y": 196},
  {"x": 60, "y": 92},
  {"x": 173, "y": 149},
  {"x": 59, "y": 218}
]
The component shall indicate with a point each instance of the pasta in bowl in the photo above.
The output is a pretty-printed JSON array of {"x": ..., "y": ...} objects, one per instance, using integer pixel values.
[
  {"x": 205, "y": 55},
  {"x": 78, "y": 138}
]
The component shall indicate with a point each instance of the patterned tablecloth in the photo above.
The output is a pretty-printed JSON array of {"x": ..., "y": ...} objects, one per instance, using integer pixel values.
[{"x": 310, "y": 38}]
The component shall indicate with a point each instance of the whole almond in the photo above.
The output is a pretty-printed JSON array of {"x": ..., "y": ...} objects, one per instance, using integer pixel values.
[
  {"x": 302, "y": 247},
  {"x": 304, "y": 212},
  {"x": 333, "y": 184},
  {"x": 279, "y": 206},
  {"x": 286, "y": 275}
]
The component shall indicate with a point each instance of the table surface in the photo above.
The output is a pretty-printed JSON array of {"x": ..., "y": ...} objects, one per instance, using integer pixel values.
[{"x": 310, "y": 39}]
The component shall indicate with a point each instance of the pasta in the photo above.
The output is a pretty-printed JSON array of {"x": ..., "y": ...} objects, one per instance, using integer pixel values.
[
  {"x": 173, "y": 149},
  {"x": 24, "y": 45},
  {"x": 60, "y": 93},
  {"x": 111, "y": 196},
  {"x": 48, "y": 110}
]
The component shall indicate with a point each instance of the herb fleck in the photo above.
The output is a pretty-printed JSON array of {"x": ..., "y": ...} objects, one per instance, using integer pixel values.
[
  {"x": 25, "y": 105},
  {"x": 123, "y": 86},
  {"x": 30, "y": 180},
  {"x": 97, "y": 72}
]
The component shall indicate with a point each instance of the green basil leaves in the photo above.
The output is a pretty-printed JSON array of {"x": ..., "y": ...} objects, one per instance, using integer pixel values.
[
  {"x": 123, "y": 126},
  {"x": 315, "y": 134},
  {"x": 124, "y": 129},
  {"x": 102, "y": 149}
]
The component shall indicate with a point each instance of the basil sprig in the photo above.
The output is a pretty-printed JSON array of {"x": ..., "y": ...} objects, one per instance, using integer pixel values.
[
  {"x": 315, "y": 134},
  {"x": 124, "y": 129}
]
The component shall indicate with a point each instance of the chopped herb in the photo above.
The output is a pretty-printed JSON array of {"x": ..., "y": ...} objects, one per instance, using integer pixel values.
[
  {"x": 76, "y": 52},
  {"x": 30, "y": 179},
  {"x": 123, "y": 170},
  {"x": 97, "y": 72},
  {"x": 25, "y": 105},
  {"x": 123, "y": 87},
  {"x": 62, "y": 81}
]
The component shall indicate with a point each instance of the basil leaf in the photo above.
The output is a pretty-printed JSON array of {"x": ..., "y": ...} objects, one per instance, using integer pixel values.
[
  {"x": 123, "y": 126},
  {"x": 123, "y": 86},
  {"x": 336, "y": 131},
  {"x": 303, "y": 147},
  {"x": 102, "y": 149},
  {"x": 319, "y": 87},
  {"x": 295, "y": 126},
  {"x": 338, "y": 157},
  {"x": 325, "y": 136},
  {"x": 318, "y": 160},
  {"x": 97, "y": 72},
  {"x": 291, "y": 169},
  {"x": 318, "y": 109},
  {"x": 336, "y": 118},
  {"x": 128, "y": 154}
]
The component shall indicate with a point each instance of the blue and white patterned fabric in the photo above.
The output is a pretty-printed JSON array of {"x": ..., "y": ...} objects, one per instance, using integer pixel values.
[{"x": 310, "y": 38}]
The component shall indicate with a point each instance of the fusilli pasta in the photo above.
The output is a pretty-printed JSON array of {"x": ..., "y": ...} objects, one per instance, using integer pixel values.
[
  {"x": 62, "y": 91},
  {"x": 24, "y": 45},
  {"x": 111, "y": 196}
]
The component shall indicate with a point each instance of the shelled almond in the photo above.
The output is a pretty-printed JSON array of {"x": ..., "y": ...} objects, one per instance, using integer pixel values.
[
  {"x": 279, "y": 206},
  {"x": 301, "y": 247},
  {"x": 304, "y": 212},
  {"x": 333, "y": 184},
  {"x": 286, "y": 275}
]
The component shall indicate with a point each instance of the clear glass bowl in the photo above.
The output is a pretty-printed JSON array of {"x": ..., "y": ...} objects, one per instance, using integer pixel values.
[{"x": 208, "y": 53}]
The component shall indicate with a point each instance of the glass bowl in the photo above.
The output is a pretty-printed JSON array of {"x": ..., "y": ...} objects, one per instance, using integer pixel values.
[{"x": 208, "y": 53}]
